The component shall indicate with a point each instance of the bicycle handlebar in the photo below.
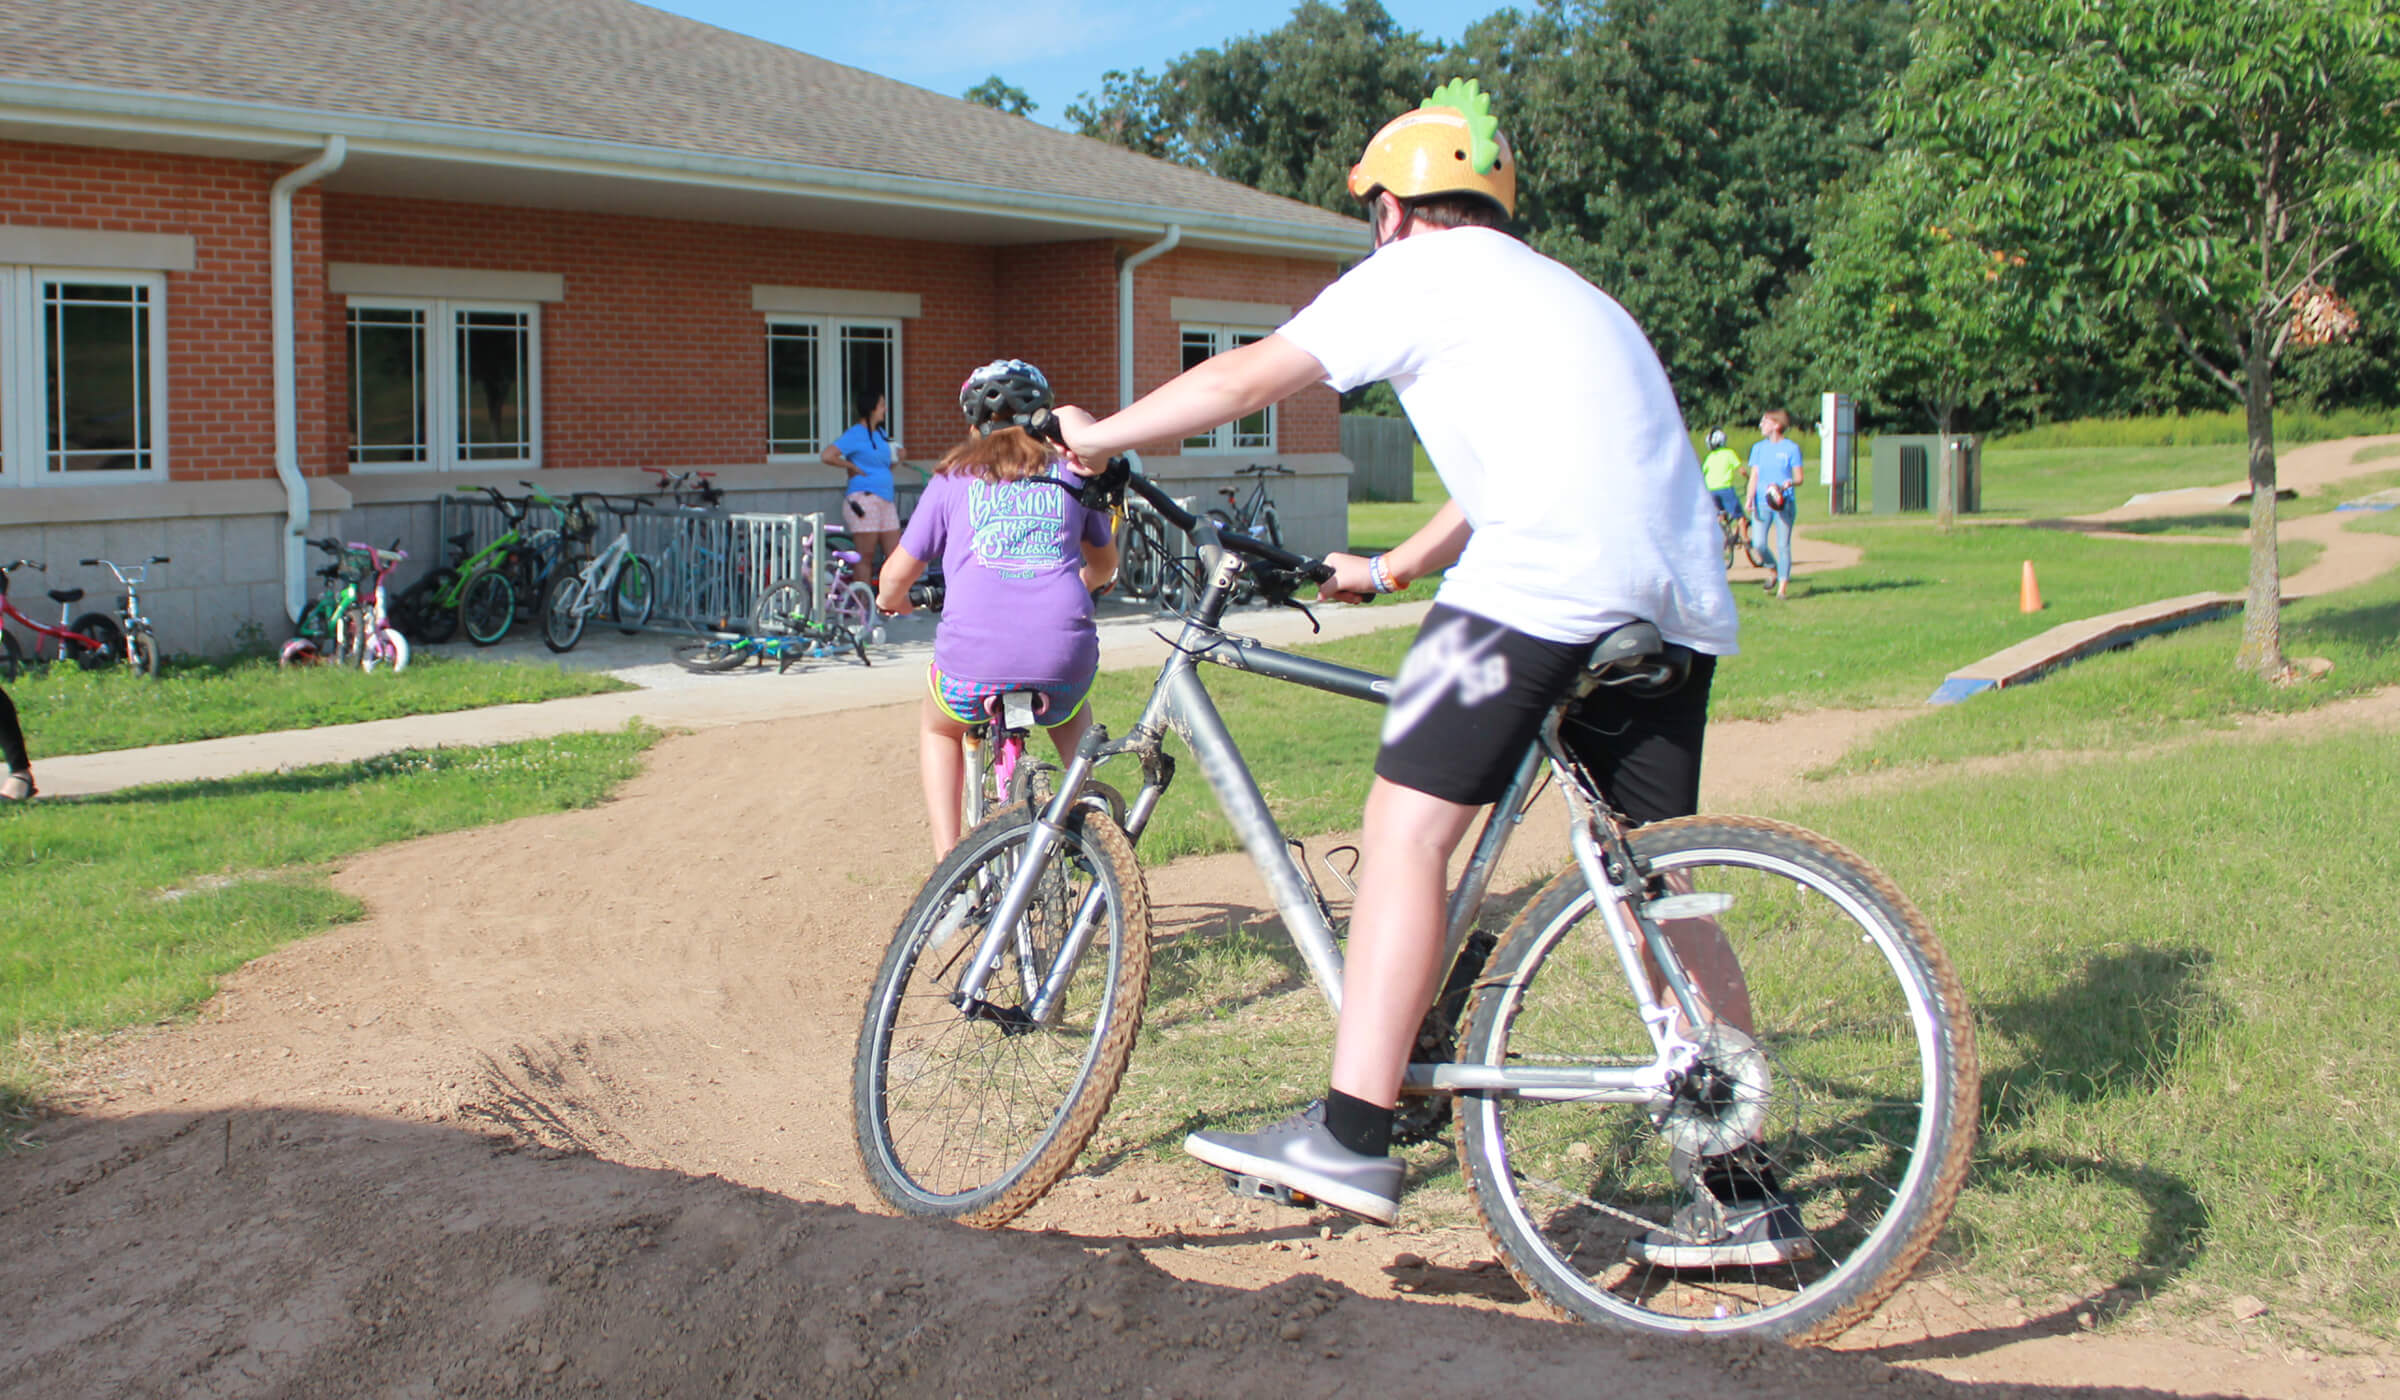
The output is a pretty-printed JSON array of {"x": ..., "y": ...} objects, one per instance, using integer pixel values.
[
  {"x": 1314, "y": 570},
  {"x": 927, "y": 594},
  {"x": 1265, "y": 469}
]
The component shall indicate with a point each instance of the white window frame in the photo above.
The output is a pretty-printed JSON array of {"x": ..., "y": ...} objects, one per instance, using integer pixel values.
[
  {"x": 833, "y": 407},
  {"x": 1223, "y": 438},
  {"x": 24, "y": 361},
  {"x": 439, "y": 374}
]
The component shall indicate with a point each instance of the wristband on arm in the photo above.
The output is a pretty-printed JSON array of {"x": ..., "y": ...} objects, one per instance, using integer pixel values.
[{"x": 1382, "y": 575}]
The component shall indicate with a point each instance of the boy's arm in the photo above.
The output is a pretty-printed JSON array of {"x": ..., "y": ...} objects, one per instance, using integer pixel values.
[
  {"x": 1218, "y": 390},
  {"x": 899, "y": 571},
  {"x": 1435, "y": 545}
]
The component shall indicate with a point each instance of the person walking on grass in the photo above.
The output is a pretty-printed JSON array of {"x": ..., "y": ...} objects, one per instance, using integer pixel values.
[
  {"x": 18, "y": 785},
  {"x": 1020, "y": 560},
  {"x": 870, "y": 509},
  {"x": 1576, "y": 510},
  {"x": 1775, "y": 477}
]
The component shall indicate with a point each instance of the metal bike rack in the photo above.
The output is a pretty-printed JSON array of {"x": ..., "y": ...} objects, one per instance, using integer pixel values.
[{"x": 717, "y": 562}]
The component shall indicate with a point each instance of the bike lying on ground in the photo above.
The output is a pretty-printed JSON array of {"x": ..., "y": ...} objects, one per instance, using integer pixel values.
[
  {"x": 1599, "y": 1083},
  {"x": 93, "y": 641}
]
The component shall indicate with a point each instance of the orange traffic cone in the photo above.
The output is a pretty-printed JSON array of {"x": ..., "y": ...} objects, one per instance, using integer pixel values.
[{"x": 2029, "y": 592}]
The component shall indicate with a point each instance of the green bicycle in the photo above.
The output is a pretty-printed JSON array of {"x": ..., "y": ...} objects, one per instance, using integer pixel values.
[{"x": 482, "y": 590}]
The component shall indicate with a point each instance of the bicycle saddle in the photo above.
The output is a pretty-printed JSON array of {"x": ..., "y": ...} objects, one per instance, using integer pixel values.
[
  {"x": 64, "y": 596},
  {"x": 1633, "y": 657}
]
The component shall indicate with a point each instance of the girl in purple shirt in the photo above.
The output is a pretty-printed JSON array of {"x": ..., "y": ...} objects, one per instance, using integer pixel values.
[{"x": 1020, "y": 558}]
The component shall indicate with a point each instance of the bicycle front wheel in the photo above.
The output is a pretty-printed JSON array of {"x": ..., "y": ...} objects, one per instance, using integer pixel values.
[
  {"x": 973, "y": 1115},
  {"x": 782, "y": 610},
  {"x": 141, "y": 652},
  {"x": 634, "y": 596},
  {"x": 566, "y": 603},
  {"x": 385, "y": 646},
  {"x": 487, "y": 607},
  {"x": 1833, "y": 1106}
]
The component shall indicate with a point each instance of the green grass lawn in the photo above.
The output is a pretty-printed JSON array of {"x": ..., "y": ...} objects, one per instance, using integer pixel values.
[
  {"x": 66, "y": 711},
  {"x": 2159, "y": 688},
  {"x": 122, "y": 909}
]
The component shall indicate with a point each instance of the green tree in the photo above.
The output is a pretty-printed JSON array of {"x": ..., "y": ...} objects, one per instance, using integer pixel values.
[
  {"x": 2205, "y": 164},
  {"x": 1286, "y": 112},
  {"x": 998, "y": 93},
  {"x": 1903, "y": 304}
]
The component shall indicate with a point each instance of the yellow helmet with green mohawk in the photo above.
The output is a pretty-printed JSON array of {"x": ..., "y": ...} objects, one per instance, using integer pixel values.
[{"x": 1451, "y": 145}]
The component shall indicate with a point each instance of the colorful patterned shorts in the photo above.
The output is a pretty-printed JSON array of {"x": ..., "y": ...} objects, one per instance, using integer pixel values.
[{"x": 963, "y": 700}]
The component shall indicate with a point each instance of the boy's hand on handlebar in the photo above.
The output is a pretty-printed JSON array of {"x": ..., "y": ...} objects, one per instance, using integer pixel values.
[
  {"x": 1352, "y": 582},
  {"x": 1072, "y": 423}
]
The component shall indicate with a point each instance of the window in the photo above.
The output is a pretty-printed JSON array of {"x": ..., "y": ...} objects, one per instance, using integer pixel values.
[
  {"x": 440, "y": 385},
  {"x": 1252, "y": 432},
  {"x": 817, "y": 369},
  {"x": 83, "y": 360}
]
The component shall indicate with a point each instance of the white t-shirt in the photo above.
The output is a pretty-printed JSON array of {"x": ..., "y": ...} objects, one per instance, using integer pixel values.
[{"x": 1550, "y": 420}]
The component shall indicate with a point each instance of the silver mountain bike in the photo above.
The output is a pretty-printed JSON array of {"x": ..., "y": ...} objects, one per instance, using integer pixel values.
[{"x": 1591, "y": 1076}]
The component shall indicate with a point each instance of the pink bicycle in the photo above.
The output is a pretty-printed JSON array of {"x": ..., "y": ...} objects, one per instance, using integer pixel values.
[{"x": 354, "y": 613}]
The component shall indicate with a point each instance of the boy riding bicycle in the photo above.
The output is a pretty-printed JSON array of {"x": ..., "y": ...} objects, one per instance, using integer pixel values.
[{"x": 1577, "y": 509}]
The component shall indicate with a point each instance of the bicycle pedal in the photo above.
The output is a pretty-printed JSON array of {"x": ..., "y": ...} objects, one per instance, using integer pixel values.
[{"x": 1254, "y": 1188}]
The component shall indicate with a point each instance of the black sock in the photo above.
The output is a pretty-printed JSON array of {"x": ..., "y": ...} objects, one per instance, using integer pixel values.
[{"x": 1364, "y": 1128}]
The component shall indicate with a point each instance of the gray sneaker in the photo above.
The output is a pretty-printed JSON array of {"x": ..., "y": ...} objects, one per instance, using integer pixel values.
[
  {"x": 1712, "y": 1234},
  {"x": 1300, "y": 1155}
]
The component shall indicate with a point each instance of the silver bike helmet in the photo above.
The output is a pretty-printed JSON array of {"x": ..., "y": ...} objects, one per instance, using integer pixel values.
[
  {"x": 1003, "y": 394},
  {"x": 1716, "y": 437}
]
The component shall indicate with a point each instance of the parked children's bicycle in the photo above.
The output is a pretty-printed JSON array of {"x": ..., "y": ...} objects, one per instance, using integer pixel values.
[
  {"x": 1599, "y": 1092},
  {"x": 94, "y": 641},
  {"x": 481, "y": 590},
  {"x": 323, "y": 632},
  {"x": 377, "y": 642},
  {"x": 616, "y": 576}
]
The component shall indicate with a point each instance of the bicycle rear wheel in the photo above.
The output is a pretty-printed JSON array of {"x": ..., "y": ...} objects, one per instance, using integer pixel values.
[
  {"x": 973, "y": 1116},
  {"x": 712, "y": 656},
  {"x": 634, "y": 596},
  {"x": 101, "y": 628},
  {"x": 782, "y": 609},
  {"x": 12, "y": 657},
  {"x": 1850, "y": 1095}
]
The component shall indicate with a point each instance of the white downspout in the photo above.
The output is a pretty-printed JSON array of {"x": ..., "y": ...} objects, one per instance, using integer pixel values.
[
  {"x": 287, "y": 389},
  {"x": 1125, "y": 310}
]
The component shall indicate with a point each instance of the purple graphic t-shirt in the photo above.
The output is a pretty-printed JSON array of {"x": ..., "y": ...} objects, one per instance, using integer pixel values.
[{"x": 1016, "y": 612}]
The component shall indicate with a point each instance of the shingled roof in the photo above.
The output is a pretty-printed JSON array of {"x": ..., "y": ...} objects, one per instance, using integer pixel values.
[{"x": 600, "y": 71}]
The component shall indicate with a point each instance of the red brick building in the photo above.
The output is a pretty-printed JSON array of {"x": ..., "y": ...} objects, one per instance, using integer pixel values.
[{"x": 276, "y": 268}]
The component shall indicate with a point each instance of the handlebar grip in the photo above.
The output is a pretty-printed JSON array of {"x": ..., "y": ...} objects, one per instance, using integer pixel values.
[
  {"x": 89, "y": 563},
  {"x": 927, "y": 595},
  {"x": 160, "y": 559}
]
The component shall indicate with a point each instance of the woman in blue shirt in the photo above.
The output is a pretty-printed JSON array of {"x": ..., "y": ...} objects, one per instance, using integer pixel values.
[
  {"x": 1775, "y": 476},
  {"x": 871, "y": 509}
]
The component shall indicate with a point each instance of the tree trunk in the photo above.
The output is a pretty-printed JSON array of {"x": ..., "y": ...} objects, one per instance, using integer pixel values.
[
  {"x": 2262, "y": 613},
  {"x": 1945, "y": 470}
]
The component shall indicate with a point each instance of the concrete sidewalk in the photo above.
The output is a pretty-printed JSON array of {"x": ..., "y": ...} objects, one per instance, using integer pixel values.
[{"x": 669, "y": 697}]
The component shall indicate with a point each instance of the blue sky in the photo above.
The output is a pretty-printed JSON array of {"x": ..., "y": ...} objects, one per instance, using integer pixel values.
[{"x": 1053, "y": 49}]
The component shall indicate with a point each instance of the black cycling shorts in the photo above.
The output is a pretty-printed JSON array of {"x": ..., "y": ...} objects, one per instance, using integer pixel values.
[{"x": 1471, "y": 695}]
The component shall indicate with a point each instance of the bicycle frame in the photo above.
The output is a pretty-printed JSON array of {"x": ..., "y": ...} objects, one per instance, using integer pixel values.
[
  {"x": 599, "y": 574},
  {"x": 61, "y": 634},
  {"x": 1180, "y": 704}
]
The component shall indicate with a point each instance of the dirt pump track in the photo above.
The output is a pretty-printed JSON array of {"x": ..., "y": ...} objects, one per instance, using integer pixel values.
[{"x": 567, "y": 1113}]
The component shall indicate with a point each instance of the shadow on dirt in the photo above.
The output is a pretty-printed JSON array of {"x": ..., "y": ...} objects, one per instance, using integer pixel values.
[
  {"x": 2109, "y": 1031},
  {"x": 305, "y": 1253}
]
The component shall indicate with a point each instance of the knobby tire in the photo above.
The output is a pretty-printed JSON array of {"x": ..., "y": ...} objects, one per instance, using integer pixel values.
[
  {"x": 1857, "y": 1083},
  {"x": 941, "y": 1099}
]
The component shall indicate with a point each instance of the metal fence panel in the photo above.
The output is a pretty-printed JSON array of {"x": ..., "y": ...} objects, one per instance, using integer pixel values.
[
  {"x": 711, "y": 567},
  {"x": 1383, "y": 457}
]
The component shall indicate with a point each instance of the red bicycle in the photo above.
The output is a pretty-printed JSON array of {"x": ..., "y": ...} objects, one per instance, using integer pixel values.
[{"x": 65, "y": 643}]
